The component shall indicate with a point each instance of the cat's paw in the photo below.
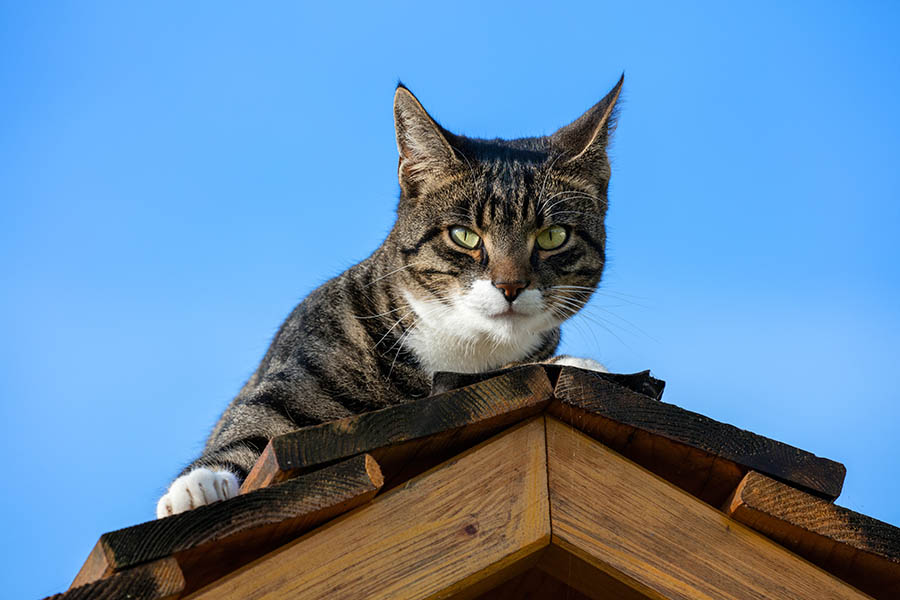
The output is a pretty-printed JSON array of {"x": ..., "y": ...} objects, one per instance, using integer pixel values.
[
  {"x": 582, "y": 363},
  {"x": 197, "y": 488}
]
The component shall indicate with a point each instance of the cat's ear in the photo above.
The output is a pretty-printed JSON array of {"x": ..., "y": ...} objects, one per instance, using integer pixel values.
[
  {"x": 591, "y": 130},
  {"x": 424, "y": 146}
]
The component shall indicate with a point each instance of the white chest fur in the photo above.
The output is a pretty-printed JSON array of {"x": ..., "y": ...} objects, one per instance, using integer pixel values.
[
  {"x": 466, "y": 335},
  {"x": 439, "y": 350}
]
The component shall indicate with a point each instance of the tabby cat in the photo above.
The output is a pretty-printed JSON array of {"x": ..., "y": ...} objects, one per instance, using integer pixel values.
[{"x": 496, "y": 243}]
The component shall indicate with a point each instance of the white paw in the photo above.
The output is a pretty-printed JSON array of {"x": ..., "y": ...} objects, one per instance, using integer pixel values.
[
  {"x": 582, "y": 363},
  {"x": 197, "y": 488}
]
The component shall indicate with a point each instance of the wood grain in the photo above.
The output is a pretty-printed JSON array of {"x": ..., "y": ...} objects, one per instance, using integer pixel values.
[
  {"x": 409, "y": 438},
  {"x": 859, "y": 549},
  {"x": 659, "y": 540},
  {"x": 641, "y": 382},
  {"x": 478, "y": 514},
  {"x": 701, "y": 455},
  {"x": 212, "y": 540},
  {"x": 447, "y": 381},
  {"x": 158, "y": 580}
]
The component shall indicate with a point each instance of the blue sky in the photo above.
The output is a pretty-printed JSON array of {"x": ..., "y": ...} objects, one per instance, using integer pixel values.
[{"x": 174, "y": 178}]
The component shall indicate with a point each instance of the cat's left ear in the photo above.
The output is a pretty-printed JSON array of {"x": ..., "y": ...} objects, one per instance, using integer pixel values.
[
  {"x": 591, "y": 130},
  {"x": 424, "y": 146}
]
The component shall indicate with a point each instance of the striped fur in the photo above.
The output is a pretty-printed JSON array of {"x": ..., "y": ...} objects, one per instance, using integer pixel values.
[{"x": 372, "y": 336}]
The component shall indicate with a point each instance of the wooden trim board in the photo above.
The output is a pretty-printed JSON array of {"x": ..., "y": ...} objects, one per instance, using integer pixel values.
[
  {"x": 467, "y": 520},
  {"x": 858, "y": 549},
  {"x": 213, "y": 540},
  {"x": 157, "y": 580},
  {"x": 659, "y": 540},
  {"x": 703, "y": 456},
  {"x": 396, "y": 436}
]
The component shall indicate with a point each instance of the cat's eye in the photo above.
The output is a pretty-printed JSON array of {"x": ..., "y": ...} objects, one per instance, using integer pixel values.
[
  {"x": 552, "y": 238},
  {"x": 465, "y": 237}
]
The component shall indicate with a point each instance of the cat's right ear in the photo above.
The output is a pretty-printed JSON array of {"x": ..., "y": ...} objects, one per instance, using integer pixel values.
[{"x": 425, "y": 151}]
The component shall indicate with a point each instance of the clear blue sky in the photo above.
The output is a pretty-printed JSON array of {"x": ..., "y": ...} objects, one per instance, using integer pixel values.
[{"x": 175, "y": 177}]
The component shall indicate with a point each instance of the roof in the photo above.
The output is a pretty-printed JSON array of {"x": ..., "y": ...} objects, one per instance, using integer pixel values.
[{"x": 533, "y": 482}]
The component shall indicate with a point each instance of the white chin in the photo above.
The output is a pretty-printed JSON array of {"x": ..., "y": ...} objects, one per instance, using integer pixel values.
[{"x": 466, "y": 338}]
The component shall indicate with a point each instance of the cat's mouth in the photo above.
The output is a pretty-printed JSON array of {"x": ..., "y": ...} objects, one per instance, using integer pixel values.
[{"x": 509, "y": 313}]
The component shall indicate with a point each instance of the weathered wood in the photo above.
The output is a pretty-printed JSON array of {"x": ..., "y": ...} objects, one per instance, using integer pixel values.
[
  {"x": 658, "y": 539},
  {"x": 859, "y": 549},
  {"x": 447, "y": 381},
  {"x": 641, "y": 382},
  {"x": 437, "y": 535},
  {"x": 158, "y": 580},
  {"x": 701, "y": 455},
  {"x": 212, "y": 540},
  {"x": 477, "y": 589},
  {"x": 399, "y": 437}
]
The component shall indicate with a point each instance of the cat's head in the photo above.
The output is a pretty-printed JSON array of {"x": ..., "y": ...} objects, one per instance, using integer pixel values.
[{"x": 501, "y": 240}]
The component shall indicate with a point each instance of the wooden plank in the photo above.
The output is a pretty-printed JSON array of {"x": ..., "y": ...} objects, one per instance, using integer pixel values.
[
  {"x": 859, "y": 549},
  {"x": 447, "y": 381},
  {"x": 397, "y": 436},
  {"x": 658, "y": 539},
  {"x": 477, "y": 589},
  {"x": 450, "y": 528},
  {"x": 641, "y": 382},
  {"x": 212, "y": 540},
  {"x": 701, "y": 455},
  {"x": 158, "y": 580}
]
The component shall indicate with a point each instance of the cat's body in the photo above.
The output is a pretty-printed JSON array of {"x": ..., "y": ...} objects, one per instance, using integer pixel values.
[{"x": 496, "y": 243}]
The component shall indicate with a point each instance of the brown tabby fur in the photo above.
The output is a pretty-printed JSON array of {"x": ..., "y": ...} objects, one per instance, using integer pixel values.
[{"x": 342, "y": 351}]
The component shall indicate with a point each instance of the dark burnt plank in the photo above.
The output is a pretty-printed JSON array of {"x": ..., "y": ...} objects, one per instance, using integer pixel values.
[
  {"x": 158, "y": 580},
  {"x": 446, "y": 381},
  {"x": 641, "y": 382},
  {"x": 863, "y": 551},
  {"x": 703, "y": 456},
  {"x": 213, "y": 540},
  {"x": 409, "y": 438}
]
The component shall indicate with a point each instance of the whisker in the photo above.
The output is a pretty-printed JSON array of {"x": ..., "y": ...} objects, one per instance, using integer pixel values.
[
  {"x": 544, "y": 184},
  {"x": 380, "y": 315},
  {"x": 397, "y": 322},
  {"x": 578, "y": 213},
  {"x": 400, "y": 349},
  {"x": 377, "y": 279}
]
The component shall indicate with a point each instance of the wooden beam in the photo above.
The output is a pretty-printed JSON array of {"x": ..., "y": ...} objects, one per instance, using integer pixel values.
[
  {"x": 641, "y": 382},
  {"x": 701, "y": 455},
  {"x": 158, "y": 580},
  {"x": 447, "y": 381},
  {"x": 471, "y": 518},
  {"x": 659, "y": 540},
  {"x": 432, "y": 428},
  {"x": 212, "y": 540},
  {"x": 859, "y": 549}
]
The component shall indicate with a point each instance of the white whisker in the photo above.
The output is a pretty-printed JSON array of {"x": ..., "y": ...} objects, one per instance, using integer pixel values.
[{"x": 377, "y": 279}]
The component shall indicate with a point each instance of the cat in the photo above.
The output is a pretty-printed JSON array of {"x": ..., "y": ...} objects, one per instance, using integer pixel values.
[{"x": 496, "y": 243}]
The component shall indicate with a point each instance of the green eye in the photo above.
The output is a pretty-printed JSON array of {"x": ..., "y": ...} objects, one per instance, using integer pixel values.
[
  {"x": 465, "y": 237},
  {"x": 552, "y": 238}
]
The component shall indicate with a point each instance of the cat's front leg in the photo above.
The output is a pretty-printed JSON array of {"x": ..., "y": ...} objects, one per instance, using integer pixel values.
[{"x": 199, "y": 487}]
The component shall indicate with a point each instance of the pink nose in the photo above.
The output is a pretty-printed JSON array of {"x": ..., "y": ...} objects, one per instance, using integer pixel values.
[{"x": 510, "y": 289}]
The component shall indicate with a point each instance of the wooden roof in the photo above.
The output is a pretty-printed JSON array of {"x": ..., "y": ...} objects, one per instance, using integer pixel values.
[{"x": 534, "y": 482}]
